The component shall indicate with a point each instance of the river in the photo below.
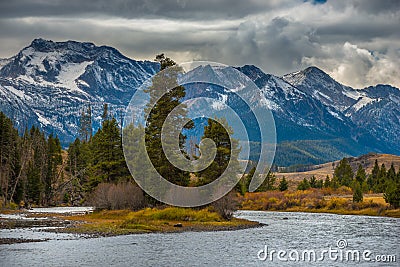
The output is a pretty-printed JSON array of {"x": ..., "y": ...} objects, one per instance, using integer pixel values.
[{"x": 290, "y": 239}]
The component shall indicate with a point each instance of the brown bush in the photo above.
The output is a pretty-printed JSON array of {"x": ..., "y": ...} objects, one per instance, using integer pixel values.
[
  {"x": 117, "y": 196},
  {"x": 226, "y": 205}
]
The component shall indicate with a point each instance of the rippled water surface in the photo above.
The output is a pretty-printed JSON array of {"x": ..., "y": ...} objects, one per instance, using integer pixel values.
[{"x": 284, "y": 231}]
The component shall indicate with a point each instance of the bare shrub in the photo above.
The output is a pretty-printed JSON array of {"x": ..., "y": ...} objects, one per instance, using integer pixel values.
[
  {"x": 117, "y": 196},
  {"x": 226, "y": 205},
  {"x": 99, "y": 197}
]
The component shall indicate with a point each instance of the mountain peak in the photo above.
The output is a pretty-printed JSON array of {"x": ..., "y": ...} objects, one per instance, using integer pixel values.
[
  {"x": 314, "y": 69},
  {"x": 42, "y": 45}
]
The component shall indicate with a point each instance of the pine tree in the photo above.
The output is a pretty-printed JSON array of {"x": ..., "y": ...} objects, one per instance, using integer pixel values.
[
  {"x": 104, "y": 116},
  {"x": 335, "y": 182},
  {"x": 10, "y": 155},
  {"x": 373, "y": 177},
  {"x": 304, "y": 185},
  {"x": 392, "y": 193},
  {"x": 360, "y": 175},
  {"x": 243, "y": 185},
  {"x": 29, "y": 164},
  {"x": 227, "y": 151},
  {"x": 85, "y": 130},
  {"x": 169, "y": 101},
  {"x": 357, "y": 192},
  {"x": 344, "y": 173},
  {"x": 327, "y": 182},
  {"x": 54, "y": 159},
  {"x": 313, "y": 182},
  {"x": 319, "y": 184},
  {"x": 283, "y": 185},
  {"x": 268, "y": 183},
  {"x": 381, "y": 180},
  {"x": 108, "y": 163},
  {"x": 391, "y": 173},
  {"x": 398, "y": 176}
]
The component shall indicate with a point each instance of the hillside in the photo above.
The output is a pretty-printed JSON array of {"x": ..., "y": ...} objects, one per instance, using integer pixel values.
[{"x": 321, "y": 171}]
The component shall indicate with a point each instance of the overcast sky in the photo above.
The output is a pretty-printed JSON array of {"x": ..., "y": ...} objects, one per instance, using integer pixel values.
[{"x": 357, "y": 42}]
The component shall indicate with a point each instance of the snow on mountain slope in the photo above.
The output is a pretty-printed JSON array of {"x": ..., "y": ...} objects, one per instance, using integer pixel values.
[
  {"x": 320, "y": 85},
  {"x": 54, "y": 81},
  {"x": 50, "y": 83},
  {"x": 374, "y": 110}
]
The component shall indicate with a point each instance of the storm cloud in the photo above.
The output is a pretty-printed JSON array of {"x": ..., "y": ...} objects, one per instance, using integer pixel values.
[{"x": 357, "y": 42}]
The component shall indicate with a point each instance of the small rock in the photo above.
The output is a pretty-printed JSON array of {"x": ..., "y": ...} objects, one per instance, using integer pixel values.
[{"x": 178, "y": 225}]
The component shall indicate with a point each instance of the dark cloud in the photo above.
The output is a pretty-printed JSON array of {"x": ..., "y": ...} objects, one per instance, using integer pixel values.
[
  {"x": 358, "y": 42},
  {"x": 177, "y": 9}
]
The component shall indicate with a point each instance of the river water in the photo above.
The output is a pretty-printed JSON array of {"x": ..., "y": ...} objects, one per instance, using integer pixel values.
[{"x": 335, "y": 240}]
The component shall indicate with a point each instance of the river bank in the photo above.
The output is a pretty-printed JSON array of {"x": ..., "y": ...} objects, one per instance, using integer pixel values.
[
  {"x": 91, "y": 223},
  {"x": 317, "y": 201},
  {"x": 85, "y": 222},
  {"x": 281, "y": 231}
]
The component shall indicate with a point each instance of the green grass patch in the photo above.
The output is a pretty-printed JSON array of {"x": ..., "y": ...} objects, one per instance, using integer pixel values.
[{"x": 178, "y": 214}]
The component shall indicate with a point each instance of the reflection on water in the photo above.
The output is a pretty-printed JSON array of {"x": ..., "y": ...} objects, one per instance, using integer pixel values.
[{"x": 284, "y": 231}]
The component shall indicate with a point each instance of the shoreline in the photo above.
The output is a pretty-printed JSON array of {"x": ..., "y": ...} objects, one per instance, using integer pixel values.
[
  {"x": 111, "y": 223},
  {"x": 122, "y": 222},
  {"x": 395, "y": 214}
]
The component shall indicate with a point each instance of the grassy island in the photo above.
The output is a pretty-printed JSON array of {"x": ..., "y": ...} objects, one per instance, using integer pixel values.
[{"x": 170, "y": 219}]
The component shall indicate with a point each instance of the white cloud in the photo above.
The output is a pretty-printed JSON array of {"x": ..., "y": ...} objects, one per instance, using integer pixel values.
[{"x": 358, "y": 67}]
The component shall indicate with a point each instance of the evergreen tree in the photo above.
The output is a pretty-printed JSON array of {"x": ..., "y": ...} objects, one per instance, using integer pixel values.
[
  {"x": 344, "y": 173},
  {"x": 398, "y": 176},
  {"x": 108, "y": 163},
  {"x": 304, "y": 185},
  {"x": 268, "y": 183},
  {"x": 283, "y": 185},
  {"x": 104, "y": 116},
  {"x": 243, "y": 185},
  {"x": 392, "y": 194},
  {"x": 381, "y": 180},
  {"x": 335, "y": 182},
  {"x": 373, "y": 177},
  {"x": 54, "y": 159},
  {"x": 391, "y": 173},
  {"x": 29, "y": 165},
  {"x": 319, "y": 184},
  {"x": 85, "y": 130},
  {"x": 169, "y": 101},
  {"x": 34, "y": 184},
  {"x": 327, "y": 182},
  {"x": 9, "y": 158},
  {"x": 227, "y": 151},
  {"x": 313, "y": 182},
  {"x": 360, "y": 175},
  {"x": 357, "y": 192}
]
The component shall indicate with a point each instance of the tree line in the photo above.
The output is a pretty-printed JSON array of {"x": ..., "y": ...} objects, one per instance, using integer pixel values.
[
  {"x": 30, "y": 165},
  {"x": 93, "y": 170},
  {"x": 380, "y": 180}
]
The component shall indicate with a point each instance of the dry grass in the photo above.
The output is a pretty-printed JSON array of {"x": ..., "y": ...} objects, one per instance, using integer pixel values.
[
  {"x": 318, "y": 200},
  {"x": 117, "y": 222},
  {"x": 322, "y": 170}
]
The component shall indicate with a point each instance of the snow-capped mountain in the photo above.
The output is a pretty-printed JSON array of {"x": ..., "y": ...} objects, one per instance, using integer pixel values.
[
  {"x": 318, "y": 119},
  {"x": 50, "y": 83},
  {"x": 374, "y": 110}
]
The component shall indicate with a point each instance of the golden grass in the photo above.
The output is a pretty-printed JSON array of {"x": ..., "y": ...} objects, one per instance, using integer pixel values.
[
  {"x": 318, "y": 200},
  {"x": 116, "y": 222}
]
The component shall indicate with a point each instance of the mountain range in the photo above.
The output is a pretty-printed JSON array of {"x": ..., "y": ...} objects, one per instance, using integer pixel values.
[{"x": 318, "y": 119}]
